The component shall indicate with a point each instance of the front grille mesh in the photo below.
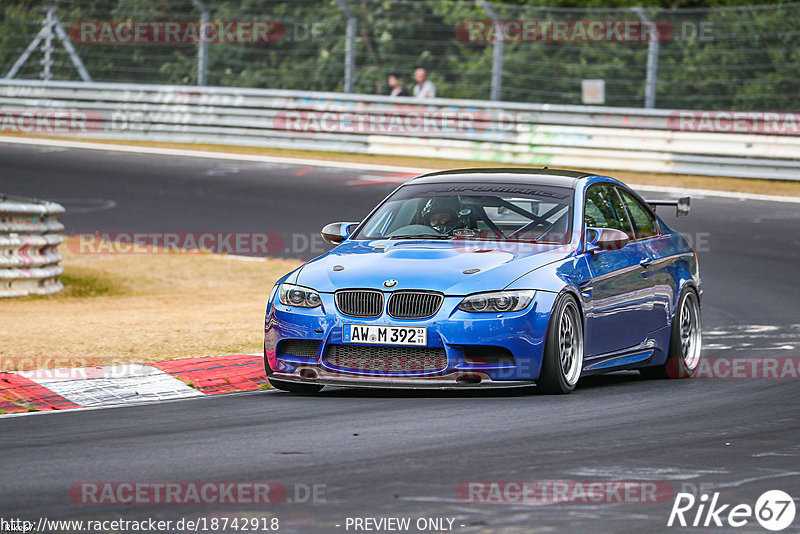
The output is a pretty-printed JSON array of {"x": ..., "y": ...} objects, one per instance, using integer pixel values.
[
  {"x": 414, "y": 304},
  {"x": 360, "y": 302},
  {"x": 305, "y": 348},
  {"x": 382, "y": 359}
]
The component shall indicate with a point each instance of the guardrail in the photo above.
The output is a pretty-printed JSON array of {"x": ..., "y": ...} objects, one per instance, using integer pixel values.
[
  {"x": 533, "y": 134},
  {"x": 29, "y": 239}
]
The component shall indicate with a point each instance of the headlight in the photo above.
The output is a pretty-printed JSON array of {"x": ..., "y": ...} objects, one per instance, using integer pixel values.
[
  {"x": 301, "y": 297},
  {"x": 498, "y": 301}
]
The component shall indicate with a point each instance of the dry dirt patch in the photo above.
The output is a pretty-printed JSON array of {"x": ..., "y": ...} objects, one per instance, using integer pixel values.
[{"x": 125, "y": 308}]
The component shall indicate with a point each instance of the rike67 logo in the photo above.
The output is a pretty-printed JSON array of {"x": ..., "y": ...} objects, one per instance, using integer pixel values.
[{"x": 774, "y": 510}]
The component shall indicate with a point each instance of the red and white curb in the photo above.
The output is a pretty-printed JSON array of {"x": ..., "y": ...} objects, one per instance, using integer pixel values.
[{"x": 89, "y": 387}]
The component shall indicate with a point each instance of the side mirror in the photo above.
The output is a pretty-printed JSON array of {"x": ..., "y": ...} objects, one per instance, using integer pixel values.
[
  {"x": 605, "y": 239},
  {"x": 335, "y": 233}
]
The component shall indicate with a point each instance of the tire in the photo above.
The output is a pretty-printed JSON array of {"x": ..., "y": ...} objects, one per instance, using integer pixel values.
[
  {"x": 685, "y": 342},
  {"x": 293, "y": 387},
  {"x": 563, "y": 353}
]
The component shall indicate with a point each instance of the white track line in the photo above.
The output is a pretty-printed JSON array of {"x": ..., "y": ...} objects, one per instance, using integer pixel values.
[{"x": 343, "y": 165}]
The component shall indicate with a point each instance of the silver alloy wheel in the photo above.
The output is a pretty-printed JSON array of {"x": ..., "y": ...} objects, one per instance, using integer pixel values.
[
  {"x": 691, "y": 331},
  {"x": 570, "y": 343}
]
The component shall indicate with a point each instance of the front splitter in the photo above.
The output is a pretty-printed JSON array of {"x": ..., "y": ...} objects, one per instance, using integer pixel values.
[{"x": 453, "y": 380}]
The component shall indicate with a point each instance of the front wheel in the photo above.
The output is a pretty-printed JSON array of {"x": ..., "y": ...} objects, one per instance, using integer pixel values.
[
  {"x": 686, "y": 340},
  {"x": 563, "y": 354}
]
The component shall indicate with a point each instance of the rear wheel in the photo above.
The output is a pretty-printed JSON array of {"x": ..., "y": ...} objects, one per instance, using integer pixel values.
[
  {"x": 686, "y": 341},
  {"x": 293, "y": 387},
  {"x": 563, "y": 354}
]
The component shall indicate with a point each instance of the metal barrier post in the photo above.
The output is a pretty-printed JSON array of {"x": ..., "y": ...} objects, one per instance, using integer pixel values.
[
  {"x": 350, "y": 46},
  {"x": 652, "y": 60},
  {"x": 497, "y": 52},
  {"x": 202, "y": 45}
]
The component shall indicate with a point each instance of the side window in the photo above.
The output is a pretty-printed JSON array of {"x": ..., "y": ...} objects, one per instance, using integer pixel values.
[
  {"x": 643, "y": 221},
  {"x": 604, "y": 209}
]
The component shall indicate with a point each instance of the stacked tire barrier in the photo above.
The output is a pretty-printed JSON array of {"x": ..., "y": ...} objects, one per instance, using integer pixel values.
[
  {"x": 740, "y": 144},
  {"x": 29, "y": 239}
]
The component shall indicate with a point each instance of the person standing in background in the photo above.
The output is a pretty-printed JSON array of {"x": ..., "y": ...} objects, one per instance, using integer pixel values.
[
  {"x": 424, "y": 88},
  {"x": 395, "y": 89}
]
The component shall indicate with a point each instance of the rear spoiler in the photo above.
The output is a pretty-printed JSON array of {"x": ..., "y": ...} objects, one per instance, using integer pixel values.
[{"x": 682, "y": 205}]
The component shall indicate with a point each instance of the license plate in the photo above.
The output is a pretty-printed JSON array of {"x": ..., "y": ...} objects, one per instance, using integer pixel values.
[{"x": 385, "y": 335}]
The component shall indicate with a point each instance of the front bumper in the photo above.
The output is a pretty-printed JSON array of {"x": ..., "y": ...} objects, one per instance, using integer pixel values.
[
  {"x": 459, "y": 334},
  {"x": 305, "y": 374}
]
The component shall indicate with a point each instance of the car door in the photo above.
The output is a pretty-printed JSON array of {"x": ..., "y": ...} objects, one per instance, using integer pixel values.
[
  {"x": 656, "y": 246},
  {"x": 621, "y": 293}
]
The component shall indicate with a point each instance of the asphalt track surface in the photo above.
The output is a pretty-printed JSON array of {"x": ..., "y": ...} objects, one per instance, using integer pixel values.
[{"x": 387, "y": 454}]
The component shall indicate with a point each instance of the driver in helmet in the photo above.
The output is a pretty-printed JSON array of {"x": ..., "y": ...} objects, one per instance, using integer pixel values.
[{"x": 441, "y": 214}]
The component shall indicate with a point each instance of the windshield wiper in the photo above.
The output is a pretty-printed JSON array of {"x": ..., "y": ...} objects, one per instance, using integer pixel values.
[{"x": 422, "y": 236}]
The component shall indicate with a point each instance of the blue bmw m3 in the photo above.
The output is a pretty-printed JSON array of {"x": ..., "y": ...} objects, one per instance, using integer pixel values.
[{"x": 483, "y": 278}]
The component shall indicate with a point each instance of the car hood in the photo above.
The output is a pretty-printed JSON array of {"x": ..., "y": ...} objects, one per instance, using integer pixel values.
[{"x": 446, "y": 266}]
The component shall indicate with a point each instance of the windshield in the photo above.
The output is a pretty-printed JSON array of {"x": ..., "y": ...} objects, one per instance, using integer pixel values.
[{"x": 498, "y": 212}]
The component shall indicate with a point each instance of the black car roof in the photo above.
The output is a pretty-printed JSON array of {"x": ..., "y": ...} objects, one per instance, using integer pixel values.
[{"x": 539, "y": 176}]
